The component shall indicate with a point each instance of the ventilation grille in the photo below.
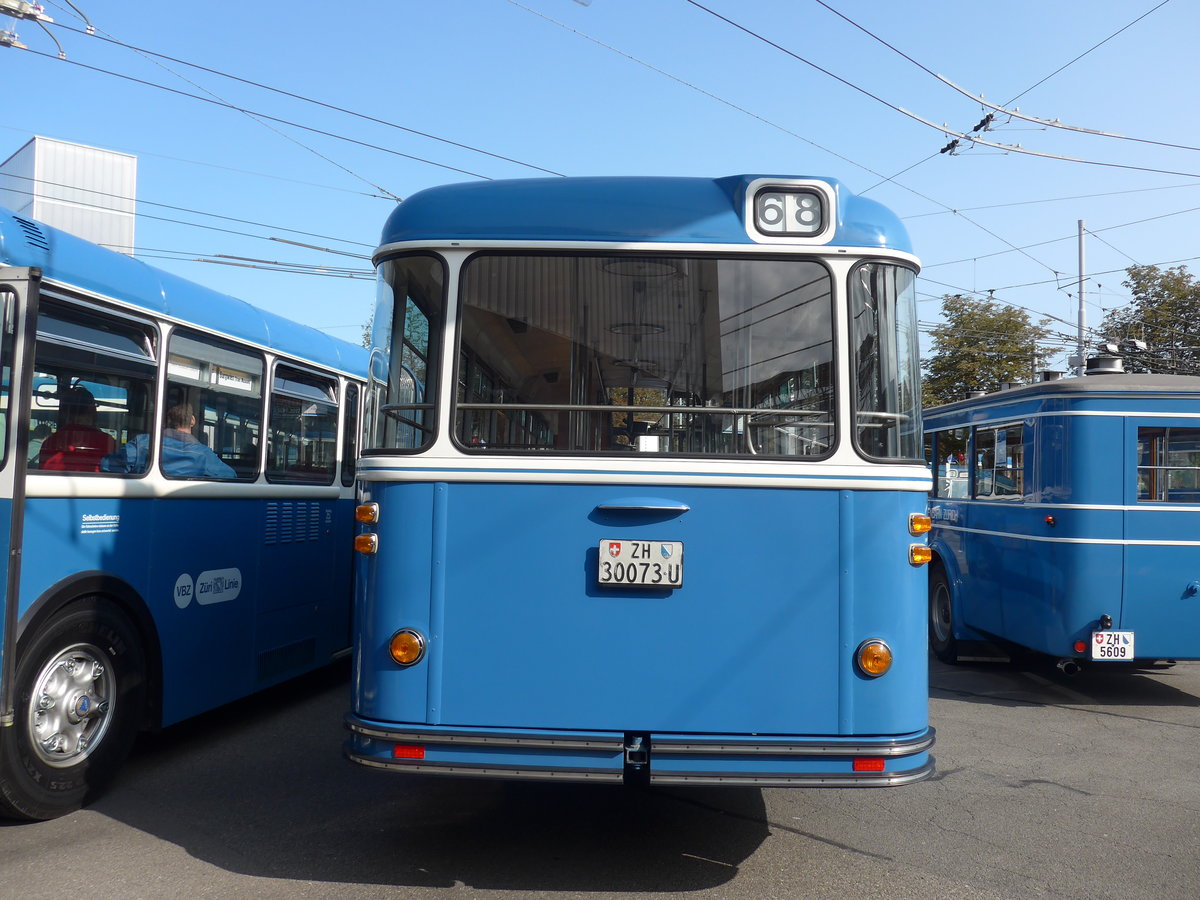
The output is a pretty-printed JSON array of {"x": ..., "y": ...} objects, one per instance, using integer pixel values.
[
  {"x": 33, "y": 234},
  {"x": 292, "y": 522}
]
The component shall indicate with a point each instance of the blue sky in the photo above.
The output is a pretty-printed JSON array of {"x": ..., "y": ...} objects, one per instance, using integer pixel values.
[{"x": 705, "y": 88}]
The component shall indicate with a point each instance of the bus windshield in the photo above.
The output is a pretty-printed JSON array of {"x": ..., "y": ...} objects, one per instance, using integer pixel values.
[{"x": 680, "y": 355}]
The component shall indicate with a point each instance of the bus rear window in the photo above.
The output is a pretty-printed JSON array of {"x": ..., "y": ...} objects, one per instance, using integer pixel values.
[
  {"x": 645, "y": 354},
  {"x": 1168, "y": 468}
]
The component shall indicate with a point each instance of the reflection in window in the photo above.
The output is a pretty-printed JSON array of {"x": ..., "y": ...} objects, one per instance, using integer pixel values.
[
  {"x": 406, "y": 330},
  {"x": 950, "y": 470},
  {"x": 93, "y": 391},
  {"x": 883, "y": 338},
  {"x": 645, "y": 354},
  {"x": 221, "y": 384},
  {"x": 350, "y": 435},
  {"x": 303, "y": 430},
  {"x": 1000, "y": 462},
  {"x": 1168, "y": 468}
]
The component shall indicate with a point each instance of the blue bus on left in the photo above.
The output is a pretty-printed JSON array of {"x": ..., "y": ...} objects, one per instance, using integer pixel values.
[{"x": 176, "y": 503}]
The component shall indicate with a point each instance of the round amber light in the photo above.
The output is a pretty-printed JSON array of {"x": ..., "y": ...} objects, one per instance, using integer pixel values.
[
  {"x": 874, "y": 658},
  {"x": 407, "y": 647}
]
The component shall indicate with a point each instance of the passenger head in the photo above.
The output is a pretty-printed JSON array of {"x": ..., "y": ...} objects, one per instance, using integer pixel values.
[
  {"x": 77, "y": 406},
  {"x": 180, "y": 417}
]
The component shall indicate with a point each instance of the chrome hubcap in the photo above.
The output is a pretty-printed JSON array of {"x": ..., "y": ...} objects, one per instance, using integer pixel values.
[{"x": 71, "y": 705}]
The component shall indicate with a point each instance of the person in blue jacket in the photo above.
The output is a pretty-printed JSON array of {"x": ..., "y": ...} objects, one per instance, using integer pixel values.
[{"x": 183, "y": 455}]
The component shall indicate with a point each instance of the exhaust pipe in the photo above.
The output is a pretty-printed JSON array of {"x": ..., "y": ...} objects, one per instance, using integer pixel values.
[{"x": 1070, "y": 667}]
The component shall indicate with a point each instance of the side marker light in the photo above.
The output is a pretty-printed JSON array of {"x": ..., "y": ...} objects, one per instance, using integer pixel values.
[
  {"x": 874, "y": 657},
  {"x": 919, "y": 523},
  {"x": 408, "y": 751},
  {"x": 919, "y": 554},
  {"x": 407, "y": 647},
  {"x": 366, "y": 543},
  {"x": 367, "y": 513}
]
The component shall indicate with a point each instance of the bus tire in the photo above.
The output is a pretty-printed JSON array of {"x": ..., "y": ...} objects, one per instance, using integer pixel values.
[
  {"x": 79, "y": 697},
  {"x": 941, "y": 617}
]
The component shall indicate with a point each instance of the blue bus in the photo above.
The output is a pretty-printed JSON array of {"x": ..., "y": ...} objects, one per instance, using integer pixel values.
[
  {"x": 642, "y": 490},
  {"x": 176, "y": 500},
  {"x": 1066, "y": 520}
]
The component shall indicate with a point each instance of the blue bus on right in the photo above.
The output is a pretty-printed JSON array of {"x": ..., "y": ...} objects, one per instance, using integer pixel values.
[{"x": 1066, "y": 520}]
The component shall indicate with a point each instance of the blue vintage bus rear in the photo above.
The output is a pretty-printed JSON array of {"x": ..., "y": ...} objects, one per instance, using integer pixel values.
[
  {"x": 643, "y": 499},
  {"x": 1067, "y": 520}
]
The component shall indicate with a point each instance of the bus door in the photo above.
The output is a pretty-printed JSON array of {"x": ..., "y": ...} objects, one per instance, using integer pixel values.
[
  {"x": 18, "y": 315},
  {"x": 1161, "y": 579}
]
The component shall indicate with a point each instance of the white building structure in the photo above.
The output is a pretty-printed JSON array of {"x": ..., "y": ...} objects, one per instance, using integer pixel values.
[{"x": 84, "y": 190}]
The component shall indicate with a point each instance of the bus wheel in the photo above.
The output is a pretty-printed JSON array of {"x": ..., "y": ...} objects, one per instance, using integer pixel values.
[
  {"x": 79, "y": 696},
  {"x": 941, "y": 617}
]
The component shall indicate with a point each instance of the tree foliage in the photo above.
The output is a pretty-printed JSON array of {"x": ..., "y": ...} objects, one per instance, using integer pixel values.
[
  {"x": 980, "y": 345},
  {"x": 1165, "y": 314}
]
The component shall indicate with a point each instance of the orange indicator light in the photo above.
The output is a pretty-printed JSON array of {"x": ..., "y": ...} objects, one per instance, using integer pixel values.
[
  {"x": 874, "y": 657},
  {"x": 367, "y": 513},
  {"x": 919, "y": 523},
  {"x": 406, "y": 647},
  {"x": 366, "y": 543},
  {"x": 919, "y": 554},
  {"x": 869, "y": 764}
]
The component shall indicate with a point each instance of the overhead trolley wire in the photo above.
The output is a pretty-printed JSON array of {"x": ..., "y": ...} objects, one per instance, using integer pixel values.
[
  {"x": 1048, "y": 123},
  {"x": 329, "y": 106},
  {"x": 234, "y": 107}
]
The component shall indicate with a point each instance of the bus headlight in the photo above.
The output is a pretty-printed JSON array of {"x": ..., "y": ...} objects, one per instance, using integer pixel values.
[
  {"x": 874, "y": 657},
  {"x": 407, "y": 647}
]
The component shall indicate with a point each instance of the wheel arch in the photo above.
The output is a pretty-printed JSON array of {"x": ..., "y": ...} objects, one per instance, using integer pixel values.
[{"x": 59, "y": 596}]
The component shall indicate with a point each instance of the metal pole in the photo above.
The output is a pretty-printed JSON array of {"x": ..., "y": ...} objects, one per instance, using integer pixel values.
[{"x": 1082, "y": 319}]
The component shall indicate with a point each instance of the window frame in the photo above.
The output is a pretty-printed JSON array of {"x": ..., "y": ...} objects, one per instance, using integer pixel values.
[{"x": 831, "y": 335}]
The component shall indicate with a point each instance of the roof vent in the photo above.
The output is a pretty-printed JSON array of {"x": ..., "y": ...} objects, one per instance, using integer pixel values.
[
  {"x": 1049, "y": 375},
  {"x": 975, "y": 395},
  {"x": 1105, "y": 365}
]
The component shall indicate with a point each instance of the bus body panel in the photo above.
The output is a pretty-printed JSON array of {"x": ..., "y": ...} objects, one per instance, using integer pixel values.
[
  {"x": 683, "y": 660},
  {"x": 236, "y": 606},
  {"x": 1042, "y": 570}
]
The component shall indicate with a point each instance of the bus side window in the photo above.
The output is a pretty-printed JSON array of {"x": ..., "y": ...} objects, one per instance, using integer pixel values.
[
  {"x": 950, "y": 472},
  {"x": 350, "y": 432},
  {"x": 1168, "y": 467},
  {"x": 303, "y": 428},
  {"x": 93, "y": 385},
  {"x": 222, "y": 383},
  {"x": 1000, "y": 462}
]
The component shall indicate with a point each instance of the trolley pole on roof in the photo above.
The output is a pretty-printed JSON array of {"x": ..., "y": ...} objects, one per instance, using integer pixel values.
[{"x": 1082, "y": 320}]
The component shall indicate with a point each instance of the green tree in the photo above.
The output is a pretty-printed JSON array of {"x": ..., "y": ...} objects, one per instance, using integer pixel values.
[
  {"x": 980, "y": 345},
  {"x": 1165, "y": 314}
]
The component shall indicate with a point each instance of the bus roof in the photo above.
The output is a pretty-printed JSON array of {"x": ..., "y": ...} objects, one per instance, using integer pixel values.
[
  {"x": 72, "y": 261},
  {"x": 626, "y": 209},
  {"x": 1124, "y": 384}
]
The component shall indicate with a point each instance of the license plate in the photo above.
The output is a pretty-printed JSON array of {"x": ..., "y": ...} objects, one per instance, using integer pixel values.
[
  {"x": 1111, "y": 645},
  {"x": 650, "y": 564}
]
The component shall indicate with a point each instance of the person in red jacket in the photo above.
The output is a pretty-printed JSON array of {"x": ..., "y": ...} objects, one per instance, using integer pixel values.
[{"x": 78, "y": 445}]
